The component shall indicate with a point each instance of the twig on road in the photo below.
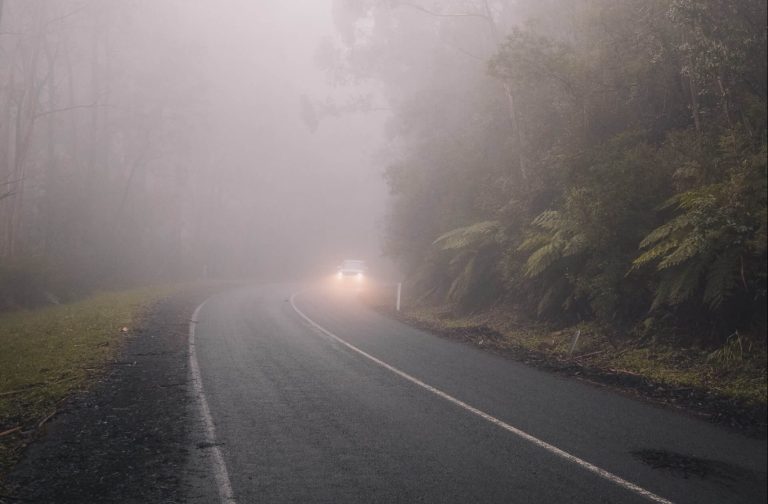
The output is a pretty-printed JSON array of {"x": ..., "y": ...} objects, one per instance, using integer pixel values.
[
  {"x": 44, "y": 420},
  {"x": 10, "y": 431},
  {"x": 584, "y": 356}
]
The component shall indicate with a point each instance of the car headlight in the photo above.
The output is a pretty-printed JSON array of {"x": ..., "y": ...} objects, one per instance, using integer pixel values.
[{"x": 359, "y": 276}]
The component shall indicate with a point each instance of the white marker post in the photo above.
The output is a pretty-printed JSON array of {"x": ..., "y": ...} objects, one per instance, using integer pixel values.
[
  {"x": 575, "y": 342},
  {"x": 399, "y": 290}
]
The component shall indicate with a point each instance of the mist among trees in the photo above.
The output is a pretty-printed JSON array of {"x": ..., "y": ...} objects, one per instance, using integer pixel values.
[
  {"x": 590, "y": 160},
  {"x": 156, "y": 141},
  {"x": 594, "y": 160}
]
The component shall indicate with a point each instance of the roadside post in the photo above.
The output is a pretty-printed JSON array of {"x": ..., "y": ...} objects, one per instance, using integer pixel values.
[
  {"x": 399, "y": 290},
  {"x": 575, "y": 342}
]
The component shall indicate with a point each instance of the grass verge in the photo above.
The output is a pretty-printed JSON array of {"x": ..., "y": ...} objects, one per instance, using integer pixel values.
[
  {"x": 742, "y": 378},
  {"x": 50, "y": 353},
  {"x": 727, "y": 386}
]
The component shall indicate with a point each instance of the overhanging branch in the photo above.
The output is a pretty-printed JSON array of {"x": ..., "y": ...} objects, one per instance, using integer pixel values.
[
  {"x": 65, "y": 109},
  {"x": 445, "y": 14}
]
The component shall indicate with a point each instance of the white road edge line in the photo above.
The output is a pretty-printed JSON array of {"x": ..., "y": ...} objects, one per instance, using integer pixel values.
[
  {"x": 219, "y": 466},
  {"x": 485, "y": 416}
]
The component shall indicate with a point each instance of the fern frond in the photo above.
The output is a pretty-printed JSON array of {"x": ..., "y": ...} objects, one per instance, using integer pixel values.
[
  {"x": 673, "y": 201},
  {"x": 472, "y": 235},
  {"x": 692, "y": 246},
  {"x": 542, "y": 259},
  {"x": 721, "y": 279},
  {"x": 549, "y": 219},
  {"x": 683, "y": 285},
  {"x": 699, "y": 199},
  {"x": 654, "y": 253},
  {"x": 533, "y": 242},
  {"x": 545, "y": 302},
  {"x": 577, "y": 244},
  {"x": 661, "y": 294},
  {"x": 460, "y": 258},
  {"x": 678, "y": 223},
  {"x": 658, "y": 234},
  {"x": 462, "y": 282}
]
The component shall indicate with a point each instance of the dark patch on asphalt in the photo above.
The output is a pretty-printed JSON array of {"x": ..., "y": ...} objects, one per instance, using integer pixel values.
[
  {"x": 127, "y": 440},
  {"x": 686, "y": 466},
  {"x": 747, "y": 419}
]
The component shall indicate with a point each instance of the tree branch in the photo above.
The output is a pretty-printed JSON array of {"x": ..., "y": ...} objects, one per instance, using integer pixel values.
[
  {"x": 65, "y": 16},
  {"x": 467, "y": 53},
  {"x": 11, "y": 182},
  {"x": 65, "y": 109},
  {"x": 443, "y": 14}
]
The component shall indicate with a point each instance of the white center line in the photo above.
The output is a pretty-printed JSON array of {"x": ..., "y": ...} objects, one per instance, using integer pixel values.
[
  {"x": 220, "y": 472},
  {"x": 485, "y": 416}
]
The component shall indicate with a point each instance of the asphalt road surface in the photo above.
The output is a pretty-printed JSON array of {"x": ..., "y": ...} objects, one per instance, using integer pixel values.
[{"x": 312, "y": 397}]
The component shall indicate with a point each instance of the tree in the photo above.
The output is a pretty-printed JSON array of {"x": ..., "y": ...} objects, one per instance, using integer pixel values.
[{"x": 622, "y": 105}]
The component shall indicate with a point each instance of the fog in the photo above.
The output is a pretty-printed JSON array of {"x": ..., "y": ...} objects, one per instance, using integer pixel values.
[
  {"x": 535, "y": 152},
  {"x": 305, "y": 199},
  {"x": 145, "y": 140}
]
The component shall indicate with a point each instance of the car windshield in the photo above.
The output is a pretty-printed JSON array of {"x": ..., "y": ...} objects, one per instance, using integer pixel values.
[{"x": 351, "y": 264}]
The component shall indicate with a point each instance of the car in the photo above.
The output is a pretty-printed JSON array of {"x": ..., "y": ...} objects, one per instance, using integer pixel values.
[{"x": 351, "y": 269}]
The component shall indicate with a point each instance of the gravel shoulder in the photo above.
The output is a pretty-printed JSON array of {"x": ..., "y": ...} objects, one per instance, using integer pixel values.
[{"x": 135, "y": 435}]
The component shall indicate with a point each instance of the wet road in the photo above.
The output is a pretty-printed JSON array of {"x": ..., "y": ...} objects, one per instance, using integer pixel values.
[{"x": 354, "y": 413}]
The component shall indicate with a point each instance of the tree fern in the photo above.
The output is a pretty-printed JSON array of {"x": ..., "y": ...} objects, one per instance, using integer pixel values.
[
  {"x": 541, "y": 259},
  {"x": 462, "y": 282},
  {"x": 473, "y": 253},
  {"x": 473, "y": 235},
  {"x": 545, "y": 303},
  {"x": 693, "y": 245},
  {"x": 698, "y": 251},
  {"x": 554, "y": 237},
  {"x": 722, "y": 278}
]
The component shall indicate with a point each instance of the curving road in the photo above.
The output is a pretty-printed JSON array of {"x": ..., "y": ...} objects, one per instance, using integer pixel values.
[{"x": 314, "y": 398}]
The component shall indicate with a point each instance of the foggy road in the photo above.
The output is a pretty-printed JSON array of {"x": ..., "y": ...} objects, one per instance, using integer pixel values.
[
  {"x": 371, "y": 410},
  {"x": 571, "y": 194}
]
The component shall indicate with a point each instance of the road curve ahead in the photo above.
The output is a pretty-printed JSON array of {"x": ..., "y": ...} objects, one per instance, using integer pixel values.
[{"x": 315, "y": 398}]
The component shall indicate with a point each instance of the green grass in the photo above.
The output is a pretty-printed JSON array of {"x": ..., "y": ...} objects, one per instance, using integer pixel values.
[
  {"x": 742, "y": 379},
  {"x": 47, "y": 354}
]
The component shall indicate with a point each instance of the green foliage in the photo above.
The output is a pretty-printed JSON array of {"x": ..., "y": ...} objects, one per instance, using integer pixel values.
[
  {"x": 556, "y": 238},
  {"x": 52, "y": 352},
  {"x": 472, "y": 253},
  {"x": 611, "y": 157},
  {"x": 731, "y": 353},
  {"x": 31, "y": 282},
  {"x": 475, "y": 236},
  {"x": 711, "y": 248}
]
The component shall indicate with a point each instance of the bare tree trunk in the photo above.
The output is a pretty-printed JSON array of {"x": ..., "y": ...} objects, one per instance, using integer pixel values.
[
  {"x": 512, "y": 109},
  {"x": 26, "y": 116},
  {"x": 6, "y": 206},
  {"x": 694, "y": 102},
  {"x": 517, "y": 127},
  {"x": 73, "y": 125},
  {"x": 95, "y": 90},
  {"x": 726, "y": 106},
  {"x": 694, "y": 92},
  {"x": 51, "y": 168}
]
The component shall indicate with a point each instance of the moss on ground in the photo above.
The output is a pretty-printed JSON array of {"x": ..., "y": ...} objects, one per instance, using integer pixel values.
[{"x": 47, "y": 354}]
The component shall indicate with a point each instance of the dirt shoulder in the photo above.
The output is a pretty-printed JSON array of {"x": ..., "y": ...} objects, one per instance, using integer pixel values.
[
  {"x": 128, "y": 437},
  {"x": 731, "y": 394}
]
